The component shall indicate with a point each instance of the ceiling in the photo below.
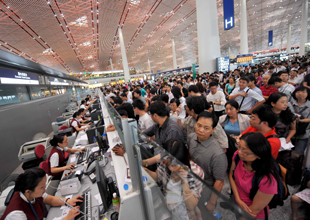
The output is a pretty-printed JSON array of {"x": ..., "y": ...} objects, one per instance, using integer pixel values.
[{"x": 74, "y": 36}]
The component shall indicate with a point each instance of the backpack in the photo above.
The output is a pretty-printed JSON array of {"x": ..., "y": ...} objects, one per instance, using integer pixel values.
[
  {"x": 230, "y": 150},
  {"x": 278, "y": 198}
]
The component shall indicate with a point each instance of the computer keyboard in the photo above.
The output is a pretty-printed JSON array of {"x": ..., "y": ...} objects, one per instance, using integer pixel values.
[
  {"x": 85, "y": 207},
  {"x": 82, "y": 156}
]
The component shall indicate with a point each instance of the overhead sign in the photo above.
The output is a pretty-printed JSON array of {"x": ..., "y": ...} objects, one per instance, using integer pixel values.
[
  {"x": 18, "y": 77},
  {"x": 270, "y": 40},
  {"x": 229, "y": 14},
  {"x": 58, "y": 81}
]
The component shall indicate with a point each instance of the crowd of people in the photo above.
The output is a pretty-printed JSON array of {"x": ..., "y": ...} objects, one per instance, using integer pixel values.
[{"x": 264, "y": 108}]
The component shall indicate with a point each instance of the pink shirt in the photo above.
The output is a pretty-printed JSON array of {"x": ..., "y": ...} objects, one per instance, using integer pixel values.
[{"x": 243, "y": 181}]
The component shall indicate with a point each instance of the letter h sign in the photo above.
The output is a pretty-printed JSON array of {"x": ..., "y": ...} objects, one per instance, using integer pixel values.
[{"x": 228, "y": 8}]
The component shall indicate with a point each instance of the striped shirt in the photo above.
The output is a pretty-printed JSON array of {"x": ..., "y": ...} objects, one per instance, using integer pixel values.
[
  {"x": 268, "y": 91},
  {"x": 170, "y": 129},
  {"x": 209, "y": 156}
]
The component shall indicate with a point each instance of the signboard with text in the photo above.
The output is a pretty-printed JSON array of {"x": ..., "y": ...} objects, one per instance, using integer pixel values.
[
  {"x": 18, "y": 77},
  {"x": 57, "y": 81},
  {"x": 270, "y": 38},
  {"x": 229, "y": 14},
  {"x": 223, "y": 64}
]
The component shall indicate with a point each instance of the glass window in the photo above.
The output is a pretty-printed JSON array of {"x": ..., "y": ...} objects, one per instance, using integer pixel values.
[
  {"x": 8, "y": 94},
  {"x": 38, "y": 92},
  {"x": 22, "y": 93}
]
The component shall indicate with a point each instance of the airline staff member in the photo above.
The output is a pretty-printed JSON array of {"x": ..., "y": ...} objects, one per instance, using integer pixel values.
[
  {"x": 57, "y": 155},
  {"x": 29, "y": 199},
  {"x": 75, "y": 123},
  {"x": 83, "y": 117}
]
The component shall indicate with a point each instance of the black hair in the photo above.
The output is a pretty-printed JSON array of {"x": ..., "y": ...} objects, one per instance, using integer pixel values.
[
  {"x": 193, "y": 88},
  {"x": 206, "y": 114},
  {"x": 82, "y": 102},
  {"x": 81, "y": 110},
  {"x": 260, "y": 146},
  {"x": 156, "y": 98},
  {"x": 118, "y": 100},
  {"x": 153, "y": 91},
  {"x": 176, "y": 92},
  {"x": 301, "y": 88},
  {"x": 213, "y": 83},
  {"x": 158, "y": 108},
  {"x": 273, "y": 80},
  {"x": 59, "y": 138},
  {"x": 234, "y": 104},
  {"x": 125, "y": 90},
  {"x": 179, "y": 82},
  {"x": 168, "y": 85},
  {"x": 284, "y": 72},
  {"x": 138, "y": 92},
  {"x": 266, "y": 114},
  {"x": 178, "y": 150},
  {"x": 198, "y": 103},
  {"x": 176, "y": 101},
  {"x": 251, "y": 77},
  {"x": 244, "y": 78},
  {"x": 122, "y": 112},
  {"x": 29, "y": 180},
  {"x": 123, "y": 94},
  {"x": 164, "y": 98},
  {"x": 86, "y": 99},
  {"x": 200, "y": 87},
  {"x": 286, "y": 116},
  {"x": 138, "y": 104},
  {"x": 76, "y": 114}
]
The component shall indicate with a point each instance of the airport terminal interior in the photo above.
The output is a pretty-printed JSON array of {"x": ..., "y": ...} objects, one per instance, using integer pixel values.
[{"x": 155, "y": 109}]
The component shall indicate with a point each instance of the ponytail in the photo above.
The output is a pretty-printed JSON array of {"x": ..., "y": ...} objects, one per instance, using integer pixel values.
[
  {"x": 76, "y": 114},
  {"x": 29, "y": 180},
  {"x": 57, "y": 139}
]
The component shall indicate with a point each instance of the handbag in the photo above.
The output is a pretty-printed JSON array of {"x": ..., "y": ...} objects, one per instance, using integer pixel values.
[{"x": 301, "y": 127}]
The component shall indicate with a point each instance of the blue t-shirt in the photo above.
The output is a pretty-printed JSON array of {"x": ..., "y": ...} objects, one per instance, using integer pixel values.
[
  {"x": 143, "y": 92},
  {"x": 231, "y": 128},
  {"x": 229, "y": 88}
]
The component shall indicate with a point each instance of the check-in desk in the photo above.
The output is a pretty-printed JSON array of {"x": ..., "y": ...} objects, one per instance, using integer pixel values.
[{"x": 132, "y": 204}]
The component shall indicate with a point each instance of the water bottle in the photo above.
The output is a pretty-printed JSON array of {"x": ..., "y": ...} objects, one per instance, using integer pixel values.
[
  {"x": 98, "y": 117},
  {"x": 105, "y": 141},
  {"x": 95, "y": 140},
  {"x": 216, "y": 214},
  {"x": 115, "y": 202}
]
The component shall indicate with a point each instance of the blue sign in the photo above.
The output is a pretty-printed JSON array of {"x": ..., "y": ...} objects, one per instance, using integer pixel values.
[
  {"x": 223, "y": 64},
  {"x": 229, "y": 15},
  {"x": 270, "y": 40}
]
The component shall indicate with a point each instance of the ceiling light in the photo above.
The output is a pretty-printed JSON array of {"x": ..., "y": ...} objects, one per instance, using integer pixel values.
[
  {"x": 134, "y": 2},
  {"x": 82, "y": 21}
]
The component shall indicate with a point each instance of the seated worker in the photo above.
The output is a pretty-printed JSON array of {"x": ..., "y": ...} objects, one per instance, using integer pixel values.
[
  {"x": 29, "y": 199},
  {"x": 83, "y": 117},
  {"x": 263, "y": 121},
  {"x": 57, "y": 155},
  {"x": 75, "y": 123}
]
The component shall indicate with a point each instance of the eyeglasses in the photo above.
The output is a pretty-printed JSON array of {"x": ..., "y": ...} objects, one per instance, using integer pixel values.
[{"x": 244, "y": 152}]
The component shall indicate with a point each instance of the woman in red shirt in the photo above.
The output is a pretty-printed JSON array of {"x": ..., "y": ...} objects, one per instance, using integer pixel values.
[{"x": 254, "y": 158}]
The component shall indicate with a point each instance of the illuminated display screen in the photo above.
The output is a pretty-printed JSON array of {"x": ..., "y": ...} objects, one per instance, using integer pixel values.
[
  {"x": 244, "y": 59},
  {"x": 223, "y": 64}
]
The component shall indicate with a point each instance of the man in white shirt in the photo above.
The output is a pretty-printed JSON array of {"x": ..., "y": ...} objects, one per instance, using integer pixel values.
[
  {"x": 217, "y": 98},
  {"x": 109, "y": 94},
  {"x": 246, "y": 96},
  {"x": 125, "y": 98},
  {"x": 145, "y": 120},
  {"x": 168, "y": 92},
  {"x": 282, "y": 86},
  {"x": 294, "y": 79}
]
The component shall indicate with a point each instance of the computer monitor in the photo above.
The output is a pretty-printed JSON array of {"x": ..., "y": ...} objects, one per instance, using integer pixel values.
[
  {"x": 103, "y": 145},
  {"x": 100, "y": 122},
  {"x": 94, "y": 115},
  {"x": 91, "y": 133},
  {"x": 105, "y": 195}
]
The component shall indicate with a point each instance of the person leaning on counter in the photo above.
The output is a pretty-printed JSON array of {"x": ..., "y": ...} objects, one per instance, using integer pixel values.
[
  {"x": 57, "y": 158},
  {"x": 29, "y": 199}
]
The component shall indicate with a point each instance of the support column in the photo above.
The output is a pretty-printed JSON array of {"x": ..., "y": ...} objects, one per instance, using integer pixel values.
[
  {"x": 229, "y": 52},
  {"x": 303, "y": 33},
  {"x": 111, "y": 64},
  {"x": 281, "y": 44},
  {"x": 174, "y": 55},
  {"x": 244, "y": 48},
  {"x": 124, "y": 56},
  {"x": 288, "y": 44},
  {"x": 208, "y": 35},
  {"x": 183, "y": 65},
  {"x": 149, "y": 63}
]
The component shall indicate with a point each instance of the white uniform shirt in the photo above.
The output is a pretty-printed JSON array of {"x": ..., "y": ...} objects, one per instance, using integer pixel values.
[
  {"x": 145, "y": 122},
  {"x": 18, "y": 214},
  {"x": 54, "y": 160}
]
